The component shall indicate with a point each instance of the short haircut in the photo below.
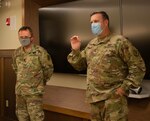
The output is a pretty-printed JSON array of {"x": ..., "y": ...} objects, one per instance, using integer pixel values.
[
  {"x": 26, "y": 28},
  {"x": 103, "y": 13}
]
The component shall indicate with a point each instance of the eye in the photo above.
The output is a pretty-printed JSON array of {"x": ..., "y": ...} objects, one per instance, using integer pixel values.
[
  {"x": 95, "y": 21},
  {"x": 24, "y": 37}
]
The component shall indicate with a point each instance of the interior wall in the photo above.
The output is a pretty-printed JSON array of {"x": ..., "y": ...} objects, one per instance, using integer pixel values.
[{"x": 8, "y": 34}]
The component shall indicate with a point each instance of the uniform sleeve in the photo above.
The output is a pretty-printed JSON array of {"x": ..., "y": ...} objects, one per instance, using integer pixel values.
[
  {"x": 135, "y": 63},
  {"x": 47, "y": 66},
  {"x": 77, "y": 60},
  {"x": 14, "y": 65}
]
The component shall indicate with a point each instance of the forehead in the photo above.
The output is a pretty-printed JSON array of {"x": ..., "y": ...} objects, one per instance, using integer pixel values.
[
  {"x": 24, "y": 33},
  {"x": 97, "y": 16}
]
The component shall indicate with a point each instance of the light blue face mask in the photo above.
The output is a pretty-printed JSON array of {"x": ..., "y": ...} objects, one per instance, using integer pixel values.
[
  {"x": 96, "y": 28},
  {"x": 24, "y": 42}
]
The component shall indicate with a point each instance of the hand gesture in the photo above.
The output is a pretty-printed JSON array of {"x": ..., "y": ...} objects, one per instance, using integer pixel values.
[{"x": 75, "y": 42}]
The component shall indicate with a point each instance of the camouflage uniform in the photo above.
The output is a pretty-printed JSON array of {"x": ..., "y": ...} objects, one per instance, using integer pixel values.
[
  {"x": 33, "y": 70},
  {"x": 111, "y": 62}
]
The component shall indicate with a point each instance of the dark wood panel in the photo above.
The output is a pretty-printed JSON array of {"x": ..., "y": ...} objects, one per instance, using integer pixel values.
[
  {"x": 54, "y": 116},
  {"x": 31, "y": 17},
  {"x": 6, "y": 119},
  {"x": 1, "y": 88},
  {"x": 6, "y": 53},
  {"x": 7, "y": 85},
  {"x": 9, "y": 88},
  {"x": 139, "y": 109},
  {"x": 3, "y": 54}
]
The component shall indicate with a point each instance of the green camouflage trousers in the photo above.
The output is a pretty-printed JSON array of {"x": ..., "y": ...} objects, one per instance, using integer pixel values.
[
  {"x": 29, "y": 108},
  {"x": 112, "y": 109}
]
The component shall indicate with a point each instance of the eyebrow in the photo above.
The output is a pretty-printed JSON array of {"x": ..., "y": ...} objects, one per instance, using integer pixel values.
[{"x": 24, "y": 37}]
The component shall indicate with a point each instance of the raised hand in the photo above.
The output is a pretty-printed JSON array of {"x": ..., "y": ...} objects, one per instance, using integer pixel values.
[{"x": 75, "y": 42}]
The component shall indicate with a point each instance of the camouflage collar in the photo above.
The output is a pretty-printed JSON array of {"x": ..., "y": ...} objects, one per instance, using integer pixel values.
[
  {"x": 31, "y": 51},
  {"x": 104, "y": 40}
]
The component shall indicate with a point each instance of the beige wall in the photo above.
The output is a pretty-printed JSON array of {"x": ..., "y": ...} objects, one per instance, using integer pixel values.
[{"x": 8, "y": 34}]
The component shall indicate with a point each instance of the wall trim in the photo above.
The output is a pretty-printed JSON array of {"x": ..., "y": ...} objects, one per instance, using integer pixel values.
[{"x": 6, "y": 52}]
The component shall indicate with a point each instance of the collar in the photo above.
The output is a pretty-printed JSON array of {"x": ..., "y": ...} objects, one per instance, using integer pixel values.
[
  {"x": 104, "y": 39},
  {"x": 31, "y": 51}
]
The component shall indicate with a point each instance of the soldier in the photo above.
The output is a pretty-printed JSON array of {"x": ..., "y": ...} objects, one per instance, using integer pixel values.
[
  {"x": 33, "y": 67},
  {"x": 113, "y": 66}
]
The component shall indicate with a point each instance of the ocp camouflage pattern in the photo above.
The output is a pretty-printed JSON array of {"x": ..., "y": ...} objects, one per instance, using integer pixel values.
[
  {"x": 33, "y": 70},
  {"x": 111, "y": 62}
]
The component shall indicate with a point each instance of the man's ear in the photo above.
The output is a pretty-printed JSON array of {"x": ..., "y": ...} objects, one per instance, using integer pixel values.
[
  {"x": 106, "y": 22},
  {"x": 32, "y": 39}
]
